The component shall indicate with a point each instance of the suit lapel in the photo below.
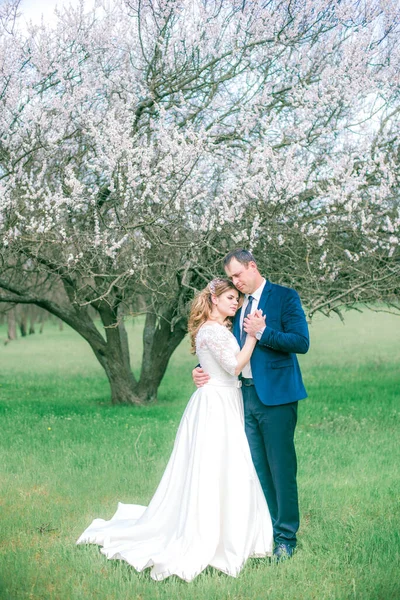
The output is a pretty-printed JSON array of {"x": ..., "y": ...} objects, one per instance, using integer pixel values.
[
  {"x": 265, "y": 295},
  {"x": 236, "y": 326}
]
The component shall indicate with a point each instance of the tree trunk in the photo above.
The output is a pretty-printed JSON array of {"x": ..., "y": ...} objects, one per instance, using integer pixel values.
[
  {"x": 32, "y": 324},
  {"x": 115, "y": 359},
  {"x": 112, "y": 351},
  {"x": 11, "y": 325},
  {"x": 23, "y": 321},
  {"x": 122, "y": 383},
  {"x": 159, "y": 342}
]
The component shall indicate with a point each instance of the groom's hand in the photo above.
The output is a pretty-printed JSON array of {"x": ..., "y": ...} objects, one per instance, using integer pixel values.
[
  {"x": 199, "y": 377},
  {"x": 254, "y": 322}
]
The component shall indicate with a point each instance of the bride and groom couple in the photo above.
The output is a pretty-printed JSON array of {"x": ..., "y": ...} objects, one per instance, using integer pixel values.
[{"x": 229, "y": 490}]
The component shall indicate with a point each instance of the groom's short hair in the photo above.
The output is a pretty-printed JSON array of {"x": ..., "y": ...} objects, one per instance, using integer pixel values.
[{"x": 241, "y": 255}]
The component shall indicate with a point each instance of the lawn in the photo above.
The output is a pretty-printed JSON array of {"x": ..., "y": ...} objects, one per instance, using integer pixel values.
[{"x": 68, "y": 456}]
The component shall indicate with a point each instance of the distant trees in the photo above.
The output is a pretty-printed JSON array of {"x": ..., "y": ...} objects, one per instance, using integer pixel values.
[
  {"x": 23, "y": 320},
  {"x": 141, "y": 140}
]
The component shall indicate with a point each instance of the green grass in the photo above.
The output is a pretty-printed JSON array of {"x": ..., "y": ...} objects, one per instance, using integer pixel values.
[{"x": 67, "y": 456}]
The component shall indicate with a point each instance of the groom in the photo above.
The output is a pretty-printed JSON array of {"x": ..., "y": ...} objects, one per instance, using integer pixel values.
[{"x": 272, "y": 386}]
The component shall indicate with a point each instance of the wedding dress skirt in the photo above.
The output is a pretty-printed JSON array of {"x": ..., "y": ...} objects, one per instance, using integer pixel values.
[{"x": 209, "y": 508}]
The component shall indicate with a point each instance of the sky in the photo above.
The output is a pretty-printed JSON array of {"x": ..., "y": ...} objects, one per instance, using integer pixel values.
[{"x": 34, "y": 9}]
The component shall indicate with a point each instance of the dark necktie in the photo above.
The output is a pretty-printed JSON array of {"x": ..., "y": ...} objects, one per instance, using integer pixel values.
[{"x": 243, "y": 335}]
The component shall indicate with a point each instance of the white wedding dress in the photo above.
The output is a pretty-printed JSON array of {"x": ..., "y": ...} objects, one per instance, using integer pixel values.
[{"x": 209, "y": 508}]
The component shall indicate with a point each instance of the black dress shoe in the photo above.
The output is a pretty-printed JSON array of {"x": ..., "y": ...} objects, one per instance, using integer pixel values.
[{"x": 283, "y": 552}]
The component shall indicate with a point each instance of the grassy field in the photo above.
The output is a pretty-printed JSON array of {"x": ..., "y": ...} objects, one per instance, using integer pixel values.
[{"x": 67, "y": 456}]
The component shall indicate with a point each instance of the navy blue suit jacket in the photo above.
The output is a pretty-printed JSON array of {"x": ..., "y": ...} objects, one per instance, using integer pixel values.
[{"x": 274, "y": 365}]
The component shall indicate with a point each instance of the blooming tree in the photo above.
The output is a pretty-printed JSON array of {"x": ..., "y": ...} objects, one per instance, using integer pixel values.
[{"x": 142, "y": 139}]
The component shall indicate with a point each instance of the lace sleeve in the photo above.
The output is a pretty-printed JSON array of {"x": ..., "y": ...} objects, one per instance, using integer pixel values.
[{"x": 218, "y": 341}]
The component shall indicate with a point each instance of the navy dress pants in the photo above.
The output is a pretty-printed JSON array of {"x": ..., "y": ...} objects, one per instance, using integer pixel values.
[{"x": 270, "y": 432}]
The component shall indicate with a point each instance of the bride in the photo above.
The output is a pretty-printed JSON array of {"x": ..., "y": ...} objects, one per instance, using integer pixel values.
[{"x": 209, "y": 508}]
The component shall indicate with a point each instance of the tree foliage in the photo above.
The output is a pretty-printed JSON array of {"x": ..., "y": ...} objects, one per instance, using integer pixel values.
[{"x": 140, "y": 140}]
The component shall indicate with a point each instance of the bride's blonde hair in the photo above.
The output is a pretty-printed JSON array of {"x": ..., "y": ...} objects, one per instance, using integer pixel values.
[{"x": 202, "y": 305}]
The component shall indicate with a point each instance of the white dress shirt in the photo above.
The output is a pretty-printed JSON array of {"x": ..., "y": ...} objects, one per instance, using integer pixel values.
[{"x": 246, "y": 372}]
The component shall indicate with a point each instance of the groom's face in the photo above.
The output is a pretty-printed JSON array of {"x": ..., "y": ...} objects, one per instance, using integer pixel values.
[{"x": 243, "y": 277}]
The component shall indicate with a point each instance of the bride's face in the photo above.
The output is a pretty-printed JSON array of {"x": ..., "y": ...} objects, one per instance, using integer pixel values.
[{"x": 227, "y": 303}]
